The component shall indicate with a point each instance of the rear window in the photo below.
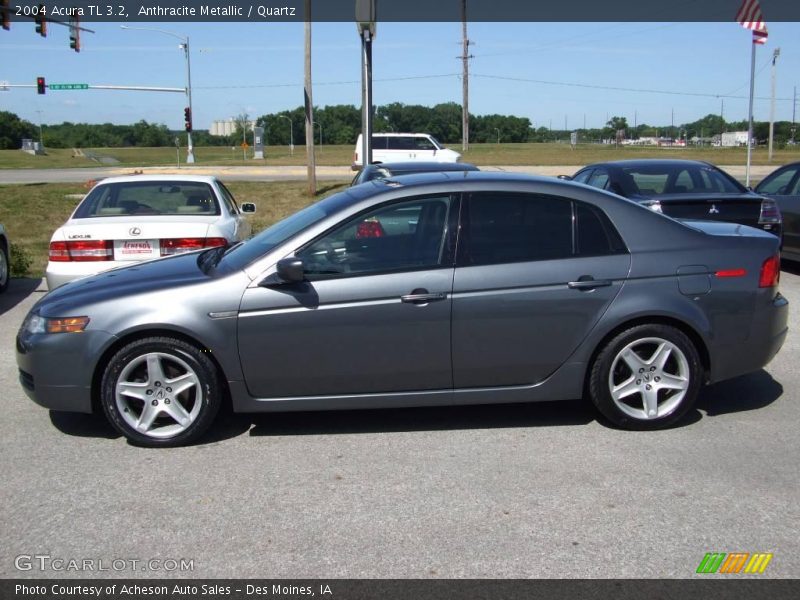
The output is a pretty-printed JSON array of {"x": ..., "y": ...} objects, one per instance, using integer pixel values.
[
  {"x": 148, "y": 198},
  {"x": 653, "y": 180}
]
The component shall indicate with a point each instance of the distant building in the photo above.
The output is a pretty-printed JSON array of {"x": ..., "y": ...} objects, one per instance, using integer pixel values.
[
  {"x": 731, "y": 139},
  {"x": 227, "y": 127}
]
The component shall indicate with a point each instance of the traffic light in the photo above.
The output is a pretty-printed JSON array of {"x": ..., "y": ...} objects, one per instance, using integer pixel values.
[
  {"x": 40, "y": 85},
  {"x": 75, "y": 34},
  {"x": 187, "y": 118},
  {"x": 6, "y": 14},
  {"x": 41, "y": 21}
]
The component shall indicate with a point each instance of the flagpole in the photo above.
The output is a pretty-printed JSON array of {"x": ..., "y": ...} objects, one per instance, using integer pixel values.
[{"x": 750, "y": 111}]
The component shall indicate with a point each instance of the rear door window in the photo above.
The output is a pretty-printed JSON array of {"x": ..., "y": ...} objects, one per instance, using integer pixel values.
[{"x": 501, "y": 227}]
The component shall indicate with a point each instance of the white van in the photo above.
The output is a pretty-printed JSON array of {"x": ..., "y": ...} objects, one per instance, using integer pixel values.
[{"x": 405, "y": 147}]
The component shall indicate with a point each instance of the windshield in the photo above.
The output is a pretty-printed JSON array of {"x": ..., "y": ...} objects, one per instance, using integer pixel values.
[
  {"x": 120, "y": 199},
  {"x": 243, "y": 254}
]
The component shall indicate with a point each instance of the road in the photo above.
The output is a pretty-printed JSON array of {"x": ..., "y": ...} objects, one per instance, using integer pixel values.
[
  {"x": 543, "y": 490},
  {"x": 266, "y": 173}
]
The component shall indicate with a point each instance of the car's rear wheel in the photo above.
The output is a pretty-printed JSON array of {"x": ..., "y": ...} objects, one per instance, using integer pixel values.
[
  {"x": 4, "y": 268},
  {"x": 161, "y": 391},
  {"x": 647, "y": 377}
]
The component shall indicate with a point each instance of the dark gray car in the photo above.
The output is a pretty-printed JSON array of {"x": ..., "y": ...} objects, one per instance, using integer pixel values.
[
  {"x": 783, "y": 185},
  {"x": 420, "y": 291}
]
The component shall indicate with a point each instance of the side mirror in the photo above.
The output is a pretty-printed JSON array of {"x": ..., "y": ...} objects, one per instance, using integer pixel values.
[
  {"x": 248, "y": 207},
  {"x": 290, "y": 270},
  {"x": 565, "y": 177}
]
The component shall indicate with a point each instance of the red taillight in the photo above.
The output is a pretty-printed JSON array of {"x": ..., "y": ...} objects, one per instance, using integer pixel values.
[
  {"x": 59, "y": 252},
  {"x": 170, "y": 246},
  {"x": 770, "y": 213},
  {"x": 770, "y": 272},
  {"x": 369, "y": 229},
  {"x": 731, "y": 273},
  {"x": 81, "y": 250}
]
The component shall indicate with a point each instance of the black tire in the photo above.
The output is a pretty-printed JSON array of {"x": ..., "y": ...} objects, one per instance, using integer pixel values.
[
  {"x": 181, "y": 364},
  {"x": 5, "y": 266},
  {"x": 639, "y": 346}
]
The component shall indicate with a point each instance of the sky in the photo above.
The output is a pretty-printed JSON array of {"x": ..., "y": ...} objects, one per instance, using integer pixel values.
[{"x": 552, "y": 73}]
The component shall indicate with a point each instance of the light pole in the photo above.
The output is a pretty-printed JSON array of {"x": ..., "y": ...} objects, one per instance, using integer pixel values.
[
  {"x": 320, "y": 131},
  {"x": 291, "y": 134},
  {"x": 498, "y": 134},
  {"x": 185, "y": 47}
]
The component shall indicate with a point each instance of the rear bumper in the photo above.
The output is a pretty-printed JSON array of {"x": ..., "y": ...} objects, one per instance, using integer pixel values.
[{"x": 767, "y": 335}]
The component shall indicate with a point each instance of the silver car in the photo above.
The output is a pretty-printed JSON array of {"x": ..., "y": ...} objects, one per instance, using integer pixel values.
[{"x": 420, "y": 291}]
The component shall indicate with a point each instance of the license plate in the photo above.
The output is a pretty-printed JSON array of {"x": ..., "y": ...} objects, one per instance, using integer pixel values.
[{"x": 136, "y": 249}]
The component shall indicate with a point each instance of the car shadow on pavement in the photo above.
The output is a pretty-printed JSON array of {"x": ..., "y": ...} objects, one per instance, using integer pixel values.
[
  {"x": 83, "y": 425},
  {"x": 18, "y": 290},
  {"x": 745, "y": 393},
  {"x": 537, "y": 414},
  {"x": 790, "y": 267}
]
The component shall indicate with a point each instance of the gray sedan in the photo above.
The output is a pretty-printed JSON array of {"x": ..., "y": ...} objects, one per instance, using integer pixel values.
[
  {"x": 420, "y": 291},
  {"x": 783, "y": 185}
]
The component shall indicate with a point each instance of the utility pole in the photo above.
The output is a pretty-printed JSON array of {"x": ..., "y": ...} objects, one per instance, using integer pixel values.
[
  {"x": 310, "y": 155},
  {"x": 775, "y": 56},
  {"x": 465, "y": 56},
  {"x": 794, "y": 107},
  {"x": 365, "y": 23}
]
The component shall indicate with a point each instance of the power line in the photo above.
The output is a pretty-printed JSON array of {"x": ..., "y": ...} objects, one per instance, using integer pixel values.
[
  {"x": 614, "y": 88},
  {"x": 280, "y": 85}
]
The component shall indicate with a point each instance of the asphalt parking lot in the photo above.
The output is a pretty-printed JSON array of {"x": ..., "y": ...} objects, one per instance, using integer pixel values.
[{"x": 542, "y": 490}]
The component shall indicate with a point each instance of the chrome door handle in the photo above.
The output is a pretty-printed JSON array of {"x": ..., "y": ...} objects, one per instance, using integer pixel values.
[
  {"x": 422, "y": 298},
  {"x": 588, "y": 284}
]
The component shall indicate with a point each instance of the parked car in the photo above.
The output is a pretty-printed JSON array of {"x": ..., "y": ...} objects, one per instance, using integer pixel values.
[
  {"x": 387, "y": 170},
  {"x": 783, "y": 185},
  {"x": 684, "y": 189},
  {"x": 403, "y": 147},
  {"x": 486, "y": 288},
  {"x": 123, "y": 220},
  {"x": 5, "y": 264}
]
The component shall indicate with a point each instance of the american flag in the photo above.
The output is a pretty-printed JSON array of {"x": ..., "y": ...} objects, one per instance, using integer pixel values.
[{"x": 750, "y": 17}]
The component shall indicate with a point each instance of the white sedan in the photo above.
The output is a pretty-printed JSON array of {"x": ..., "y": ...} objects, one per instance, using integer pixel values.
[{"x": 129, "y": 219}]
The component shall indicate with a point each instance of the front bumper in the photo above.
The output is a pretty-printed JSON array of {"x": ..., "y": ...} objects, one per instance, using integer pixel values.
[{"x": 56, "y": 370}]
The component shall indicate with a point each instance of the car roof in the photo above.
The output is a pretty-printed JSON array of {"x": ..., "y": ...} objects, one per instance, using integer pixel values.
[
  {"x": 648, "y": 162},
  {"x": 424, "y": 166},
  {"x": 210, "y": 179}
]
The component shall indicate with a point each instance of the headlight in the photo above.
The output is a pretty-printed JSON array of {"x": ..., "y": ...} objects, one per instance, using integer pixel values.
[{"x": 37, "y": 324}]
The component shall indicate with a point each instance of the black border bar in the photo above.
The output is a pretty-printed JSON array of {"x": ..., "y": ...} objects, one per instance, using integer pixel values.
[
  {"x": 282, "y": 11},
  {"x": 702, "y": 588}
]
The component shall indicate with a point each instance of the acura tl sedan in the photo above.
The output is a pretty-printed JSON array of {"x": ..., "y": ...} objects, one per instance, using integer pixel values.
[
  {"x": 417, "y": 291},
  {"x": 684, "y": 189},
  {"x": 123, "y": 220}
]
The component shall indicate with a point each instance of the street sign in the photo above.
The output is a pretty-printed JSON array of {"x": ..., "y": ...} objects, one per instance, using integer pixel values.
[{"x": 68, "y": 86}]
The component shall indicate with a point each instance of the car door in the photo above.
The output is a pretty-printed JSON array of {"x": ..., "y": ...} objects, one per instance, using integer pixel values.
[
  {"x": 373, "y": 315},
  {"x": 534, "y": 274},
  {"x": 784, "y": 187}
]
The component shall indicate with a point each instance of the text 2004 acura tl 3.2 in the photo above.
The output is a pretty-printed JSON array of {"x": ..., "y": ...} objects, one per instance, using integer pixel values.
[{"x": 423, "y": 290}]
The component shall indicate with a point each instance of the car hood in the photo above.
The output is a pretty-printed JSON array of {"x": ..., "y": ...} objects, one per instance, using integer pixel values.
[{"x": 129, "y": 281}]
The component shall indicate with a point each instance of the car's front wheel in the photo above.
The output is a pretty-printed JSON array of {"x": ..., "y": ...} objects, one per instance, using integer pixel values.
[
  {"x": 161, "y": 391},
  {"x": 646, "y": 377},
  {"x": 4, "y": 267}
]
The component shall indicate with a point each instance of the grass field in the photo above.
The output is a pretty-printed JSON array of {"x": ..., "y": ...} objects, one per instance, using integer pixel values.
[
  {"x": 480, "y": 154},
  {"x": 31, "y": 213}
]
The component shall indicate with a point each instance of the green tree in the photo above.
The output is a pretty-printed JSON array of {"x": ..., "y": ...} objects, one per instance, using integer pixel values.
[{"x": 13, "y": 130}]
